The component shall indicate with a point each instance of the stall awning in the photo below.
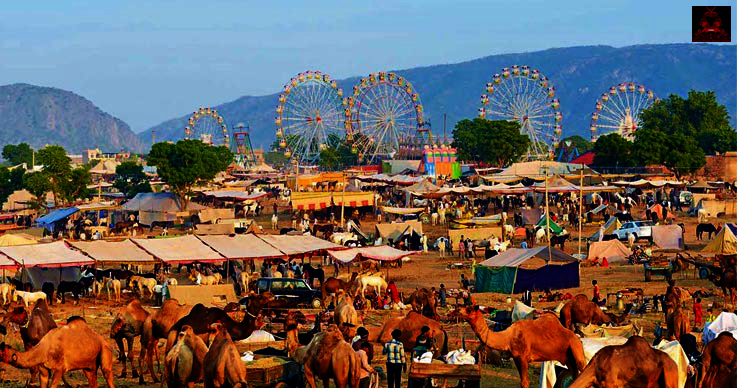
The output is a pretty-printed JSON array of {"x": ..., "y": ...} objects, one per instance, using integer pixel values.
[
  {"x": 55, "y": 254},
  {"x": 381, "y": 253},
  {"x": 354, "y": 199},
  {"x": 56, "y": 215},
  {"x": 241, "y": 246},
  {"x": 113, "y": 251},
  {"x": 184, "y": 249},
  {"x": 298, "y": 245},
  {"x": 311, "y": 200}
]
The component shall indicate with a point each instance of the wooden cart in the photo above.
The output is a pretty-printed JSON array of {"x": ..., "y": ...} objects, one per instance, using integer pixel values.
[
  {"x": 288, "y": 373},
  {"x": 664, "y": 269},
  {"x": 442, "y": 372}
]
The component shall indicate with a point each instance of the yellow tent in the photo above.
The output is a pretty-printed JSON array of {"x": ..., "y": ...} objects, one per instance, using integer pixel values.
[
  {"x": 9, "y": 240},
  {"x": 725, "y": 243}
]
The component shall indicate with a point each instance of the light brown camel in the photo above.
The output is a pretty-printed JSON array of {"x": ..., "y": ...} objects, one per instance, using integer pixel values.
[
  {"x": 581, "y": 310},
  {"x": 332, "y": 285},
  {"x": 410, "y": 326},
  {"x": 345, "y": 313},
  {"x": 156, "y": 327},
  {"x": 126, "y": 326},
  {"x": 542, "y": 339},
  {"x": 222, "y": 363},
  {"x": 719, "y": 356},
  {"x": 632, "y": 364},
  {"x": 678, "y": 324},
  {"x": 329, "y": 356},
  {"x": 183, "y": 365},
  {"x": 39, "y": 324},
  {"x": 65, "y": 349},
  {"x": 422, "y": 298}
]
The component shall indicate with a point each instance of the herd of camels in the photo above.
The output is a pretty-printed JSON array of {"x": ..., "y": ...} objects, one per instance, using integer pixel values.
[{"x": 200, "y": 344}]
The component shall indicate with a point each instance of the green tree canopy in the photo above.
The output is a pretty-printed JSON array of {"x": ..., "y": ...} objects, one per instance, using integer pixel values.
[
  {"x": 10, "y": 181},
  {"x": 497, "y": 142},
  {"x": 131, "y": 179},
  {"x": 577, "y": 142},
  {"x": 74, "y": 185},
  {"x": 17, "y": 154},
  {"x": 38, "y": 184},
  {"x": 337, "y": 155},
  {"x": 612, "y": 152},
  {"x": 57, "y": 167},
  {"x": 186, "y": 162}
]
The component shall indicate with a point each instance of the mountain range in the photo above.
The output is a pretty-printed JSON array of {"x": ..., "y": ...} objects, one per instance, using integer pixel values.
[{"x": 41, "y": 115}]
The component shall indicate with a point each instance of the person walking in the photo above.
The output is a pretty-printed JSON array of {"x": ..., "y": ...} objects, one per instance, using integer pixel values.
[
  {"x": 395, "y": 360},
  {"x": 365, "y": 370}
]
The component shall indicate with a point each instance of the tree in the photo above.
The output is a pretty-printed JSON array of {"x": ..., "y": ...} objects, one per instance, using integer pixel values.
[
  {"x": 131, "y": 179},
  {"x": 10, "y": 181},
  {"x": 612, "y": 152},
  {"x": 275, "y": 159},
  {"x": 337, "y": 155},
  {"x": 57, "y": 166},
  {"x": 75, "y": 184},
  {"x": 577, "y": 142},
  {"x": 18, "y": 154},
  {"x": 497, "y": 142},
  {"x": 186, "y": 162},
  {"x": 719, "y": 140},
  {"x": 684, "y": 156},
  {"x": 38, "y": 184}
]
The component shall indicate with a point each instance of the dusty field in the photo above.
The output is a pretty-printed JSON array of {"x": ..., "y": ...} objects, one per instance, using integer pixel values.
[{"x": 423, "y": 271}]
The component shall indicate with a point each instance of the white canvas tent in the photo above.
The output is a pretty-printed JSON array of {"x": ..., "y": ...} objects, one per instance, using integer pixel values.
[
  {"x": 114, "y": 252},
  {"x": 159, "y": 207},
  {"x": 613, "y": 250},
  {"x": 55, "y": 254},
  {"x": 298, "y": 245},
  {"x": 184, "y": 249},
  {"x": 241, "y": 246},
  {"x": 379, "y": 252}
]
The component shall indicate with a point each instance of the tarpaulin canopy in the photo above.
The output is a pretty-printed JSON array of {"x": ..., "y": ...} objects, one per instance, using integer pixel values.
[
  {"x": 668, "y": 236},
  {"x": 203, "y": 229},
  {"x": 299, "y": 245},
  {"x": 158, "y": 207},
  {"x": 311, "y": 200},
  {"x": 55, "y": 254},
  {"x": 113, "y": 251},
  {"x": 182, "y": 249},
  {"x": 554, "y": 228},
  {"x": 613, "y": 250},
  {"x": 725, "y": 242},
  {"x": 56, "y": 215},
  {"x": 402, "y": 210},
  {"x": 380, "y": 252},
  {"x": 487, "y": 220},
  {"x": 529, "y": 258},
  {"x": 712, "y": 207},
  {"x": 241, "y": 246},
  {"x": 396, "y": 229},
  {"x": 726, "y": 321},
  {"x": 353, "y": 199},
  {"x": 9, "y": 240},
  {"x": 515, "y": 280},
  {"x": 422, "y": 187},
  {"x": 703, "y": 185}
]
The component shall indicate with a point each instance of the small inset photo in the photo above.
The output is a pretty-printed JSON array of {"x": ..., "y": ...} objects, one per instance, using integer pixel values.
[{"x": 711, "y": 24}]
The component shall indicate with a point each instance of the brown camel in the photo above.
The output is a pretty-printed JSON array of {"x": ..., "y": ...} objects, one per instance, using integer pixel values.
[
  {"x": 222, "y": 363},
  {"x": 633, "y": 364},
  {"x": 126, "y": 326},
  {"x": 332, "y": 285},
  {"x": 422, "y": 298},
  {"x": 410, "y": 326},
  {"x": 39, "y": 324},
  {"x": 719, "y": 356},
  {"x": 156, "y": 327},
  {"x": 581, "y": 310},
  {"x": 329, "y": 356},
  {"x": 65, "y": 349},
  {"x": 184, "y": 362},
  {"x": 728, "y": 283},
  {"x": 678, "y": 324},
  {"x": 345, "y": 313},
  {"x": 542, "y": 339}
]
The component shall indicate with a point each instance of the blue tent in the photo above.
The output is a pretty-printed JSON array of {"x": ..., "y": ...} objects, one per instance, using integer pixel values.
[
  {"x": 48, "y": 220},
  {"x": 536, "y": 269}
]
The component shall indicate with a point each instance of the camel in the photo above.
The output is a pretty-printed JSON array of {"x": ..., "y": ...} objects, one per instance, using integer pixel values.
[
  {"x": 632, "y": 364},
  {"x": 542, "y": 339},
  {"x": 376, "y": 282},
  {"x": 410, "y": 326},
  {"x": 581, "y": 310},
  {"x": 345, "y": 313},
  {"x": 204, "y": 280},
  {"x": 422, "y": 298},
  {"x": 222, "y": 363},
  {"x": 39, "y": 324},
  {"x": 114, "y": 285},
  {"x": 184, "y": 363},
  {"x": 727, "y": 282},
  {"x": 156, "y": 327},
  {"x": 329, "y": 356},
  {"x": 148, "y": 283},
  {"x": 678, "y": 324},
  {"x": 719, "y": 356},
  {"x": 72, "y": 347},
  {"x": 128, "y": 325},
  {"x": 332, "y": 285}
]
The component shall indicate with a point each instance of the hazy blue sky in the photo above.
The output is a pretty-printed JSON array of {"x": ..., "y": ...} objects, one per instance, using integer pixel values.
[{"x": 148, "y": 61}]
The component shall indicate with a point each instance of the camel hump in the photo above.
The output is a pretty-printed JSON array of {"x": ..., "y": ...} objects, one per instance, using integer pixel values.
[
  {"x": 726, "y": 334},
  {"x": 75, "y": 318}
]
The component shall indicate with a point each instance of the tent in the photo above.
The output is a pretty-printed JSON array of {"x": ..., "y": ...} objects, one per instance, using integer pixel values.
[
  {"x": 658, "y": 209},
  {"x": 105, "y": 167},
  {"x": 422, "y": 187},
  {"x": 55, "y": 216},
  {"x": 668, "y": 236},
  {"x": 726, "y": 321},
  {"x": 725, "y": 242},
  {"x": 183, "y": 249},
  {"x": 9, "y": 240},
  {"x": 242, "y": 246},
  {"x": 299, "y": 245},
  {"x": 159, "y": 207},
  {"x": 712, "y": 207},
  {"x": 536, "y": 269},
  {"x": 201, "y": 229},
  {"x": 37, "y": 276},
  {"x": 613, "y": 250},
  {"x": 113, "y": 252},
  {"x": 55, "y": 254},
  {"x": 351, "y": 227},
  {"x": 379, "y": 252},
  {"x": 475, "y": 234},
  {"x": 609, "y": 227},
  {"x": 554, "y": 228},
  {"x": 396, "y": 229},
  {"x": 701, "y": 186}
]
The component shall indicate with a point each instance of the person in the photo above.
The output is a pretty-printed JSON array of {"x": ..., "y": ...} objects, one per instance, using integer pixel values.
[
  {"x": 395, "y": 364},
  {"x": 422, "y": 342},
  {"x": 464, "y": 282},
  {"x": 362, "y": 337},
  {"x": 523, "y": 245},
  {"x": 461, "y": 248},
  {"x": 469, "y": 247},
  {"x": 605, "y": 262},
  {"x": 697, "y": 313},
  {"x": 527, "y": 298},
  {"x": 709, "y": 316},
  {"x": 276, "y": 208},
  {"x": 365, "y": 370},
  {"x": 158, "y": 293},
  {"x": 423, "y": 240},
  {"x": 442, "y": 295},
  {"x": 441, "y": 247},
  {"x": 597, "y": 295},
  {"x": 393, "y": 292},
  {"x": 602, "y": 231}
]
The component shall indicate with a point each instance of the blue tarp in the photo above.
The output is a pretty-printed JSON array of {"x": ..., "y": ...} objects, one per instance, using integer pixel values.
[
  {"x": 549, "y": 277},
  {"x": 55, "y": 216}
]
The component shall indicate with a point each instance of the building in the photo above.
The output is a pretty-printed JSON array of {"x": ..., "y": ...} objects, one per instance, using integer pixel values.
[{"x": 91, "y": 154}]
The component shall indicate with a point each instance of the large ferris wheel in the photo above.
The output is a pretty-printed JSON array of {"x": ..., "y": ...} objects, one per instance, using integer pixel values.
[
  {"x": 525, "y": 95},
  {"x": 311, "y": 110},
  {"x": 207, "y": 125},
  {"x": 618, "y": 110},
  {"x": 385, "y": 118}
]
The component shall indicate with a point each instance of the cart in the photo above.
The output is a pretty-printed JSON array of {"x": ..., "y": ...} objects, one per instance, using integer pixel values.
[
  {"x": 661, "y": 269},
  {"x": 471, "y": 374},
  {"x": 285, "y": 373},
  {"x": 705, "y": 268}
]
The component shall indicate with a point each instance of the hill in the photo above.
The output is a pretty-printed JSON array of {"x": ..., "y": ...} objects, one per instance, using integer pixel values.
[
  {"x": 40, "y": 115},
  {"x": 579, "y": 74}
]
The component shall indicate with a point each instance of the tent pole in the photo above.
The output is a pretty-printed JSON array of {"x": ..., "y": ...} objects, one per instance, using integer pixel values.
[
  {"x": 342, "y": 208},
  {"x": 547, "y": 217},
  {"x": 580, "y": 211},
  {"x": 227, "y": 271}
]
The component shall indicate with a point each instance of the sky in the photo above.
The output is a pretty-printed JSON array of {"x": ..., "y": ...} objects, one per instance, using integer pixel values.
[{"x": 149, "y": 61}]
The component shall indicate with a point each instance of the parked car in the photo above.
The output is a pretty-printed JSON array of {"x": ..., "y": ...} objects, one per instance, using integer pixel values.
[
  {"x": 295, "y": 291},
  {"x": 641, "y": 229}
]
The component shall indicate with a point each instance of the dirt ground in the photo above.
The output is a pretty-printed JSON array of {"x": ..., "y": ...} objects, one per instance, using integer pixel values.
[{"x": 424, "y": 270}]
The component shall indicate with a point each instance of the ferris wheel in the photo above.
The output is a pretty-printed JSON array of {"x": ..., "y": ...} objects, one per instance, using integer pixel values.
[
  {"x": 618, "y": 110},
  {"x": 525, "y": 95},
  {"x": 311, "y": 109},
  {"x": 385, "y": 117},
  {"x": 207, "y": 125}
]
